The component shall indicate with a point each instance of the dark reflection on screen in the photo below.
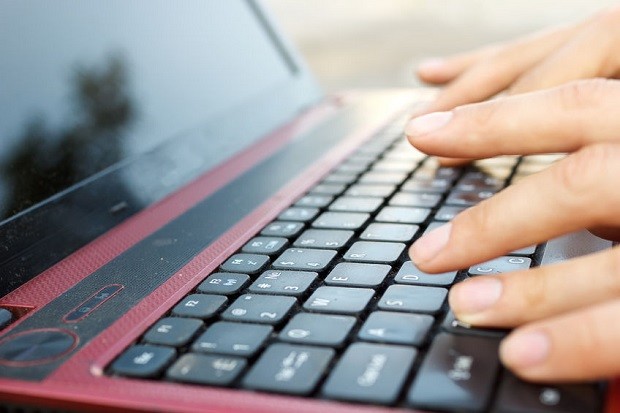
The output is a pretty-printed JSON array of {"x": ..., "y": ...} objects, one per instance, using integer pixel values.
[{"x": 47, "y": 161}]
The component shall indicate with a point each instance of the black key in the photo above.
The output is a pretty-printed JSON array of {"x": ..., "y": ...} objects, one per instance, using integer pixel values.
[
  {"x": 451, "y": 325},
  {"x": 403, "y": 215},
  {"x": 351, "y": 274},
  {"x": 356, "y": 204},
  {"x": 409, "y": 273},
  {"x": 328, "y": 189},
  {"x": 265, "y": 245},
  {"x": 143, "y": 361},
  {"x": 339, "y": 300},
  {"x": 282, "y": 229},
  {"x": 412, "y": 199},
  {"x": 283, "y": 282},
  {"x": 380, "y": 191},
  {"x": 299, "y": 214},
  {"x": 246, "y": 263},
  {"x": 437, "y": 185},
  {"x": 517, "y": 396},
  {"x": 235, "y": 339},
  {"x": 390, "y": 232},
  {"x": 205, "y": 369},
  {"x": 341, "y": 220},
  {"x": 370, "y": 373},
  {"x": 389, "y": 178},
  {"x": 173, "y": 331},
  {"x": 287, "y": 368},
  {"x": 321, "y": 329},
  {"x": 199, "y": 306},
  {"x": 314, "y": 201},
  {"x": 223, "y": 283},
  {"x": 458, "y": 373},
  {"x": 265, "y": 309},
  {"x": 304, "y": 259},
  {"x": 396, "y": 328},
  {"x": 368, "y": 251},
  {"x": 467, "y": 199},
  {"x": 323, "y": 238},
  {"x": 415, "y": 299},
  {"x": 447, "y": 213},
  {"x": 340, "y": 178},
  {"x": 500, "y": 265}
]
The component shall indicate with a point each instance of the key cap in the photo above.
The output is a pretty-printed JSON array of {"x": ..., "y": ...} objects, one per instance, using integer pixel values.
[
  {"x": 475, "y": 184},
  {"x": 447, "y": 213},
  {"x": 283, "y": 282},
  {"x": 467, "y": 199},
  {"x": 517, "y": 396},
  {"x": 223, "y": 283},
  {"x": 282, "y": 229},
  {"x": 437, "y": 185},
  {"x": 320, "y": 329},
  {"x": 388, "y": 165},
  {"x": 143, "y": 361},
  {"x": 339, "y": 300},
  {"x": 370, "y": 373},
  {"x": 389, "y": 178},
  {"x": 500, "y": 266},
  {"x": 199, "y": 306},
  {"x": 380, "y": 191},
  {"x": 173, "y": 331},
  {"x": 403, "y": 215},
  {"x": 298, "y": 214},
  {"x": 368, "y": 251},
  {"x": 396, "y": 328},
  {"x": 341, "y": 220},
  {"x": 458, "y": 373},
  {"x": 265, "y": 245},
  {"x": 287, "y": 368},
  {"x": 351, "y": 167},
  {"x": 265, "y": 309},
  {"x": 433, "y": 172},
  {"x": 314, "y": 201},
  {"x": 304, "y": 259},
  {"x": 415, "y": 299},
  {"x": 235, "y": 339},
  {"x": 420, "y": 199},
  {"x": 412, "y": 275},
  {"x": 356, "y": 204},
  {"x": 328, "y": 189},
  {"x": 451, "y": 325},
  {"x": 323, "y": 238},
  {"x": 340, "y": 178},
  {"x": 390, "y": 232},
  {"x": 246, "y": 263},
  {"x": 350, "y": 274},
  {"x": 206, "y": 369},
  {"x": 525, "y": 251}
]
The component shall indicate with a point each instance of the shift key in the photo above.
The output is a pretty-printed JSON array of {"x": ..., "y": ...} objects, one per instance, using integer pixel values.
[{"x": 458, "y": 373}]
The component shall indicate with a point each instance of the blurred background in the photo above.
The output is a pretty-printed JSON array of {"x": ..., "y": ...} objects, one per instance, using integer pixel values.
[{"x": 378, "y": 43}]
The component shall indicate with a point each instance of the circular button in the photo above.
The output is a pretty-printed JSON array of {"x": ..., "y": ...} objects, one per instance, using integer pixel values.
[{"x": 36, "y": 346}]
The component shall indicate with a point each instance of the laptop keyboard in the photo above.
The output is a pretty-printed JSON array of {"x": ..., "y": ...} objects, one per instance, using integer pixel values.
[{"x": 325, "y": 303}]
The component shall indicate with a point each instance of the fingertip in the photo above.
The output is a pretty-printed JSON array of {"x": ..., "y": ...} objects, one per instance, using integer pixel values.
[
  {"x": 525, "y": 350},
  {"x": 434, "y": 70}
]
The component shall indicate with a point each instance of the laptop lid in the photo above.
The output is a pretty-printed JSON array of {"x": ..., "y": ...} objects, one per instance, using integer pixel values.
[{"x": 106, "y": 108}]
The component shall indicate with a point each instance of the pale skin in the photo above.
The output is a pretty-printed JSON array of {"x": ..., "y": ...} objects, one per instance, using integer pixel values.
[{"x": 560, "y": 96}]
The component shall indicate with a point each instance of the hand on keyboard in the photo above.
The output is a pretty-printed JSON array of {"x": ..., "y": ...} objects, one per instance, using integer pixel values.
[{"x": 566, "y": 314}]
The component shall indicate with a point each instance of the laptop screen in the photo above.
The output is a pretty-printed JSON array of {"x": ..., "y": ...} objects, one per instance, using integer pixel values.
[{"x": 123, "y": 92}]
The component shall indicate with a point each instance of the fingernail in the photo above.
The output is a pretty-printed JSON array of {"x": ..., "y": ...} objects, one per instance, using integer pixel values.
[
  {"x": 525, "y": 349},
  {"x": 475, "y": 295},
  {"x": 432, "y": 65},
  {"x": 427, "y": 247},
  {"x": 427, "y": 123}
]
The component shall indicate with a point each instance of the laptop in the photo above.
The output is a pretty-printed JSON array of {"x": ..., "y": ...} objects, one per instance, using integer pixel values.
[{"x": 189, "y": 224}]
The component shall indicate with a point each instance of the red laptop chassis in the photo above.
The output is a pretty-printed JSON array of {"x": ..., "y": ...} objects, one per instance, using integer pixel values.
[{"x": 80, "y": 383}]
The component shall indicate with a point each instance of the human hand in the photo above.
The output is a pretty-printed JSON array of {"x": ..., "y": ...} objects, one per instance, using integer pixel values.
[{"x": 565, "y": 315}]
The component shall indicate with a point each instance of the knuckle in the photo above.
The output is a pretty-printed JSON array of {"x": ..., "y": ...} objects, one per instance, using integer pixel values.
[
  {"x": 533, "y": 290},
  {"x": 583, "y": 94},
  {"x": 479, "y": 118}
]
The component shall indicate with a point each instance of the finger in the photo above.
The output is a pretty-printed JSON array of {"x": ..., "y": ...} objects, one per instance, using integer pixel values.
[
  {"x": 454, "y": 161},
  {"x": 580, "y": 345},
  {"x": 562, "y": 119},
  {"x": 577, "y": 192},
  {"x": 609, "y": 233},
  {"x": 499, "y": 70},
  {"x": 442, "y": 70},
  {"x": 516, "y": 298}
]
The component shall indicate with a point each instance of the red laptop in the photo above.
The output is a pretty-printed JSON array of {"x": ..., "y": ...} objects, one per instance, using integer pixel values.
[{"x": 188, "y": 224}]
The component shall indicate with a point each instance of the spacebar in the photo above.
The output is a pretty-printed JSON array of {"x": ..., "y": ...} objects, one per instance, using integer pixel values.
[{"x": 573, "y": 245}]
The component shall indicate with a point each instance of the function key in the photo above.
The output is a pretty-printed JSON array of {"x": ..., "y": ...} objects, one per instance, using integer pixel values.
[
  {"x": 235, "y": 339},
  {"x": 282, "y": 229},
  {"x": 368, "y": 251},
  {"x": 291, "y": 369},
  {"x": 356, "y": 204},
  {"x": 403, "y": 215},
  {"x": 380, "y": 191},
  {"x": 173, "y": 331},
  {"x": 199, "y": 306},
  {"x": 339, "y": 300},
  {"x": 246, "y": 263},
  {"x": 318, "y": 329},
  {"x": 323, "y": 238},
  {"x": 265, "y": 245},
  {"x": 409, "y": 273},
  {"x": 298, "y": 214},
  {"x": 304, "y": 259},
  {"x": 500, "y": 265},
  {"x": 264, "y": 309},
  {"x": 283, "y": 282},
  {"x": 390, "y": 232},
  {"x": 341, "y": 220},
  {"x": 205, "y": 369},
  {"x": 143, "y": 361},
  {"x": 415, "y": 299},
  {"x": 396, "y": 328},
  {"x": 226, "y": 283},
  {"x": 351, "y": 274}
]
